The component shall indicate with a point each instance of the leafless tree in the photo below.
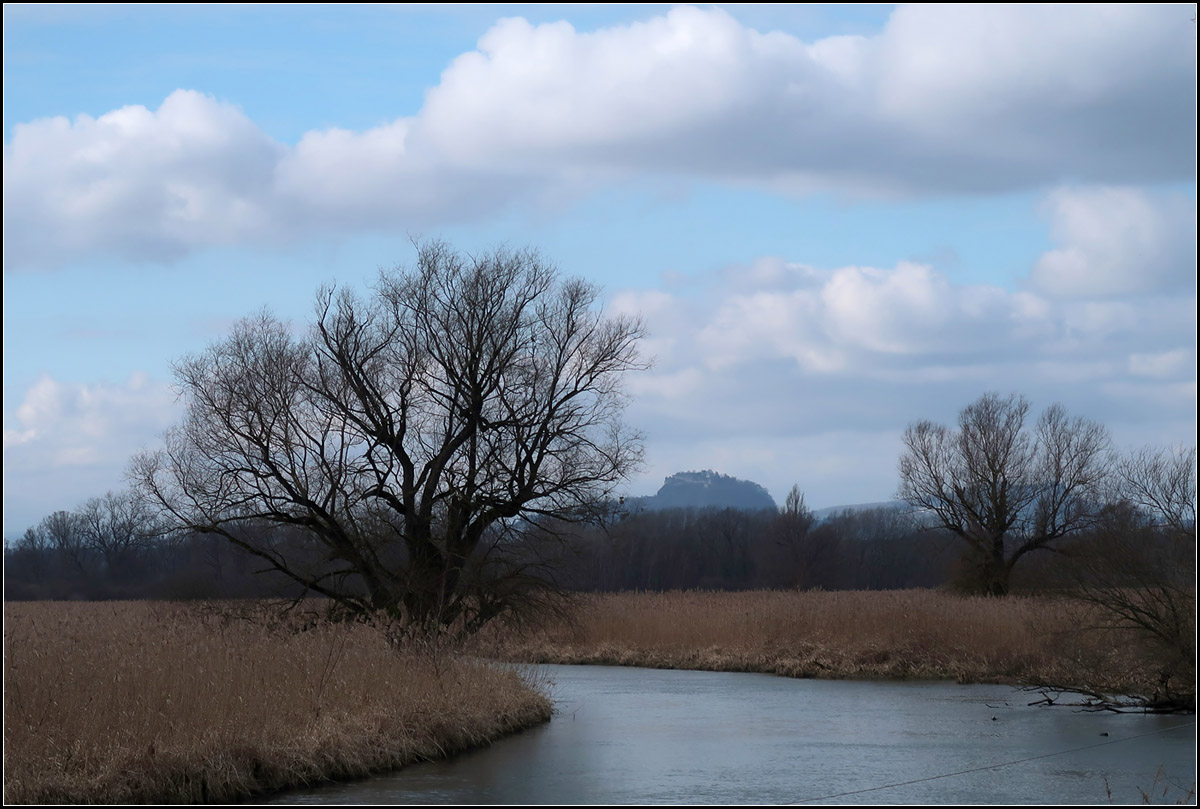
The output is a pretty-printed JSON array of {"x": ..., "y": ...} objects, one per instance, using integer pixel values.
[
  {"x": 1138, "y": 571},
  {"x": 1162, "y": 484},
  {"x": 63, "y": 531},
  {"x": 118, "y": 528},
  {"x": 1003, "y": 489},
  {"x": 791, "y": 557},
  {"x": 465, "y": 396}
]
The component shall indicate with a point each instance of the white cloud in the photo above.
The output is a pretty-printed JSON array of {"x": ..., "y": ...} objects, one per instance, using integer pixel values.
[
  {"x": 194, "y": 173},
  {"x": 966, "y": 69},
  {"x": 1163, "y": 364},
  {"x": 681, "y": 384},
  {"x": 945, "y": 99},
  {"x": 529, "y": 89},
  {"x": 74, "y": 421},
  {"x": 343, "y": 168},
  {"x": 70, "y": 441},
  {"x": 854, "y": 319},
  {"x": 769, "y": 356},
  {"x": 1117, "y": 241}
]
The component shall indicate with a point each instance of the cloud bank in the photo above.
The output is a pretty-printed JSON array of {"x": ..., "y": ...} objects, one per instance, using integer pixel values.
[
  {"x": 944, "y": 100},
  {"x": 69, "y": 441},
  {"x": 1117, "y": 242},
  {"x": 782, "y": 372},
  {"x": 785, "y": 357}
]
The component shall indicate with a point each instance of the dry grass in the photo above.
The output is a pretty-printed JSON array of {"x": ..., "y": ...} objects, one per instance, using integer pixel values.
[
  {"x": 919, "y": 634},
  {"x": 145, "y": 702}
]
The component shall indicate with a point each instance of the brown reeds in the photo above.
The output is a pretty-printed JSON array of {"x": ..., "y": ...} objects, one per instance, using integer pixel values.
[
  {"x": 918, "y": 634},
  {"x": 144, "y": 702}
]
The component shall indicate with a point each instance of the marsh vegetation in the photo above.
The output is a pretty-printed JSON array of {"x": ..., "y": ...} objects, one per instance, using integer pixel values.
[
  {"x": 122, "y": 702},
  {"x": 908, "y": 634},
  {"x": 219, "y": 701}
]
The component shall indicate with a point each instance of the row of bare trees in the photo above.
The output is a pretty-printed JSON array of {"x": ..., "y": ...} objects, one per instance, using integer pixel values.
[
  {"x": 518, "y": 568},
  {"x": 1123, "y": 526},
  {"x": 112, "y": 545},
  {"x": 110, "y": 539}
]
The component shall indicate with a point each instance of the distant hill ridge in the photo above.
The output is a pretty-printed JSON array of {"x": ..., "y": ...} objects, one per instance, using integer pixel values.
[
  {"x": 705, "y": 489},
  {"x": 835, "y": 511}
]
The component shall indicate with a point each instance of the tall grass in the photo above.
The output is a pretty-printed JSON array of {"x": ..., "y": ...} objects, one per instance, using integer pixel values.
[
  {"x": 892, "y": 634},
  {"x": 144, "y": 702}
]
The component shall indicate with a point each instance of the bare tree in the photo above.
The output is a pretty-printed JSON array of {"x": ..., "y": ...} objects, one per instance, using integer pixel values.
[
  {"x": 1162, "y": 484},
  {"x": 118, "y": 527},
  {"x": 1002, "y": 489},
  {"x": 1138, "y": 571},
  {"x": 791, "y": 557},
  {"x": 63, "y": 531},
  {"x": 465, "y": 396}
]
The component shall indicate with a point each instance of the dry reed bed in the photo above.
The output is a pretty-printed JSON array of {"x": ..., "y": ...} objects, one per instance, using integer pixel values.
[
  {"x": 143, "y": 702},
  {"x": 918, "y": 634}
]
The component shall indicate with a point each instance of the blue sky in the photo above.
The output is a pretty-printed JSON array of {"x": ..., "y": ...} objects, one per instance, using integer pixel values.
[{"x": 835, "y": 219}]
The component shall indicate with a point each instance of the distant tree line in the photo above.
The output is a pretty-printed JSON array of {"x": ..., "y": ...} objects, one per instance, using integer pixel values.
[
  {"x": 730, "y": 549},
  {"x": 114, "y": 548},
  {"x": 110, "y": 548},
  {"x": 1138, "y": 540}
]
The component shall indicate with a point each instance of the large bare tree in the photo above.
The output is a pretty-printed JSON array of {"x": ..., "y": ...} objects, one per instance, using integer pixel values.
[
  {"x": 375, "y": 459},
  {"x": 1003, "y": 489}
]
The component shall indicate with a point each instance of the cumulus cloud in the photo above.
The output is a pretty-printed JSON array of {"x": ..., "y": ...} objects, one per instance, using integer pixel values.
[
  {"x": 194, "y": 173},
  {"x": 782, "y": 356},
  {"x": 73, "y": 423},
  {"x": 1117, "y": 241},
  {"x": 1040, "y": 85},
  {"x": 944, "y": 100},
  {"x": 1163, "y": 364},
  {"x": 68, "y": 441},
  {"x": 863, "y": 318}
]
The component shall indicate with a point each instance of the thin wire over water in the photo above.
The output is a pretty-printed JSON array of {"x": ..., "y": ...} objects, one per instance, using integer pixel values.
[{"x": 988, "y": 767}]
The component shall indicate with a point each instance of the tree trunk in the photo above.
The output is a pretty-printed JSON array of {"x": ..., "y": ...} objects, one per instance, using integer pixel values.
[{"x": 996, "y": 571}]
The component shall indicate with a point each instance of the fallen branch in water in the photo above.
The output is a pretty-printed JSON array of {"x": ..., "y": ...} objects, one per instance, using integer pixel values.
[{"x": 1096, "y": 701}]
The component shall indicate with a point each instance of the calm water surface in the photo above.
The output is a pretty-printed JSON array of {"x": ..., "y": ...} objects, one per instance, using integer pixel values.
[{"x": 631, "y": 736}]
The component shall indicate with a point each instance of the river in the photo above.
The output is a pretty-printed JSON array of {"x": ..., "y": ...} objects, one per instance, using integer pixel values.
[{"x": 633, "y": 736}]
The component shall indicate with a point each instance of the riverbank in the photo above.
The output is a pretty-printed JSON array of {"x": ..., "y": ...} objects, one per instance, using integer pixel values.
[
  {"x": 122, "y": 702},
  {"x": 907, "y": 634}
]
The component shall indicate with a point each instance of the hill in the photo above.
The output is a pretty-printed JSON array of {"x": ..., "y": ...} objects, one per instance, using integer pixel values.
[
  {"x": 834, "y": 511},
  {"x": 705, "y": 489}
]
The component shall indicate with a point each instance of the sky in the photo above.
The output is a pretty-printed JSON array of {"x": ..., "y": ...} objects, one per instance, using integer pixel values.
[{"x": 835, "y": 220}]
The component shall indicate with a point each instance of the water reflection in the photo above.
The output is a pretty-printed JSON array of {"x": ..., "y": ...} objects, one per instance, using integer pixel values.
[{"x": 632, "y": 736}]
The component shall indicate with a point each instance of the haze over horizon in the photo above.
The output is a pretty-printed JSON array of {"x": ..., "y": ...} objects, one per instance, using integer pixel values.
[{"x": 836, "y": 220}]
